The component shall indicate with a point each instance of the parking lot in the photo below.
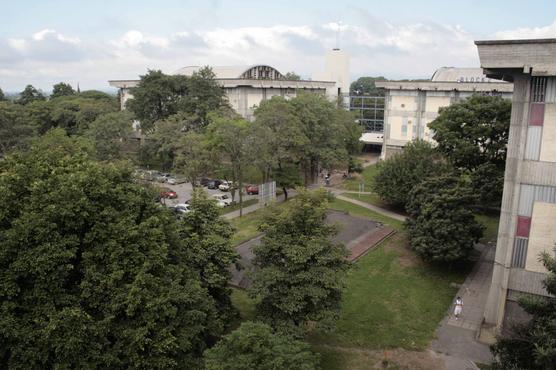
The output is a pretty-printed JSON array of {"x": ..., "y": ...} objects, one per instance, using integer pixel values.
[{"x": 185, "y": 190}]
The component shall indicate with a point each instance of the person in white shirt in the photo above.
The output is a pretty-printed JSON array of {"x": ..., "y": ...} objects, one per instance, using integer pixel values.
[{"x": 458, "y": 307}]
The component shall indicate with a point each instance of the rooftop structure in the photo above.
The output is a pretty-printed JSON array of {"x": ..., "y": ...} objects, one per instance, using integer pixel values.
[
  {"x": 528, "y": 211},
  {"x": 412, "y": 105}
]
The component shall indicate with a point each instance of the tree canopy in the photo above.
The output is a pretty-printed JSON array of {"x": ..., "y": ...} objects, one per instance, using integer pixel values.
[
  {"x": 62, "y": 89},
  {"x": 255, "y": 346},
  {"x": 366, "y": 86},
  {"x": 94, "y": 273},
  {"x": 30, "y": 94},
  {"x": 442, "y": 227},
  {"x": 397, "y": 175},
  {"x": 473, "y": 134},
  {"x": 531, "y": 345},
  {"x": 298, "y": 270}
]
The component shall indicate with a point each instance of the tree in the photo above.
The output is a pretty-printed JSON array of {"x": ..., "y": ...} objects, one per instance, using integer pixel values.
[
  {"x": 292, "y": 76},
  {"x": 204, "y": 95},
  {"x": 30, "y": 94},
  {"x": 366, "y": 86},
  {"x": 231, "y": 136},
  {"x": 442, "y": 227},
  {"x": 2, "y": 96},
  {"x": 397, "y": 175},
  {"x": 194, "y": 157},
  {"x": 207, "y": 237},
  {"x": 94, "y": 273},
  {"x": 109, "y": 133},
  {"x": 255, "y": 346},
  {"x": 473, "y": 134},
  {"x": 16, "y": 128},
  {"x": 298, "y": 270},
  {"x": 531, "y": 345},
  {"x": 278, "y": 143},
  {"x": 324, "y": 127},
  {"x": 156, "y": 97},
  {"x": 62, "y": 89}
]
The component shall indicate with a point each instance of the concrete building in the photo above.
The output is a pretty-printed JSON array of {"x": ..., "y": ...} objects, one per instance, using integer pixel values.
[
  {"x": 247, "y": 86},
  {"x": 411, "y": 106},
  {"x": 528, "y": 214}
]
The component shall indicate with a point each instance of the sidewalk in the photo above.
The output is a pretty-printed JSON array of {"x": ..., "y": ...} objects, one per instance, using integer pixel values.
[
  {"x": 376, "y": 209},
  {"x": 457, "y": 338}
]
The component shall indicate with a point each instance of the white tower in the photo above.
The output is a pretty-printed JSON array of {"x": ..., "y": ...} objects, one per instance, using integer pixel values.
[{"x": 336, "y": 68}]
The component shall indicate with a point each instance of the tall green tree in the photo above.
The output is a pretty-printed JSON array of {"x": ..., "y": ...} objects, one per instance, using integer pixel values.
[
  {"x": 441, "y": 225},
  {"x": 207, "y": 237},
  {"x": 366, "y": 86},
  {"x": 62, "y": 89},
  {"x": 255, "y": 346},
  {"x": 298, "y": 271},
  {"x": 30, "y": 94},
  {"x": 16, "y": 128},
  {"x": 232, "y": 136},
  {"x": 194, "y": 156},
  {"x": 532, "y": 345},
  {"x": 324, "y": 127},
  {"x": 397, "y": 175},
  {"x": 278, "y": 144},
  {"x": 2, "y": 96},
  {"x": 109, "y": 133},
  {"x": 94, "y": 273},
  {"x": 473, "y": 134}
]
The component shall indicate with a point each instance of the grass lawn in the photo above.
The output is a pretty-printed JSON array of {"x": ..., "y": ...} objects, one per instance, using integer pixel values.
[
  {"x": 235, "y": 207},
  {"x": 355, "y": 210},
  {"x": 391, "y": 300},
  {"x": 367, "y": 176},
  {"x": 246, "y": 226},
  {"x": 490, "y": 221}
]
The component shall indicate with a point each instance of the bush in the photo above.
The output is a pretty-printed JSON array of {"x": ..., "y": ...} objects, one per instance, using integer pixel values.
[
  {"x": 442, "y": 227},
  {"x": 255, "y": 346},
  {"x": 397, "y": 175}
]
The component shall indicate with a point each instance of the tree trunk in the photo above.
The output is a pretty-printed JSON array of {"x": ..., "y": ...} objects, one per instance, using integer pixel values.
[{"x": 285, "y": 193}]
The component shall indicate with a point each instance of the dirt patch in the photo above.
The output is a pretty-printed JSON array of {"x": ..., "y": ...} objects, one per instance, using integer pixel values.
[{"x": 406, "y": 257}]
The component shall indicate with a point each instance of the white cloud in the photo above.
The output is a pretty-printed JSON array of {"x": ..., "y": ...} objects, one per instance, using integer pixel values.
[
  {"x": 380, "y": 48},
  {"x": 528, "y": 33}
]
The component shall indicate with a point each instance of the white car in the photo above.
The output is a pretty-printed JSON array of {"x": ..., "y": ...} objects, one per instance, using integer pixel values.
[
  {"x": 176, "y": 180},
  {"x": 223, "y": 200},
  {"x": 224, "y": 186}
]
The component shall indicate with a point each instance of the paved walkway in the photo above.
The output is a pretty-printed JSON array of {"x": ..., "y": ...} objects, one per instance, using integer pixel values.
[
  {"x": 457, "y": 338},
  {"x": 376, "y": 209}
]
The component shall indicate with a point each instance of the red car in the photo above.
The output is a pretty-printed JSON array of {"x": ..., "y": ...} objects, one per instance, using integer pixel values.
[
  {"x": 252, "y": 189},
  {"x": 168, "y": 193}
]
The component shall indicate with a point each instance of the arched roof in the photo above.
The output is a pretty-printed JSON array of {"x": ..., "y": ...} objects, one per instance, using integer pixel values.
[
  {"x": 254, "y": 72},
  {"x": 453, "y": 74}
]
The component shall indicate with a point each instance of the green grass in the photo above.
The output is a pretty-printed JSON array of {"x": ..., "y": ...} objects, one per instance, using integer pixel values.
[
  {"x": 235, "y": 207},
  {"x": 367, "y": 177},
  {"x": 388, "y": 303},
  {"x": 355, "y": 210},
  {"x": 246, "y": 226},
  {"x": 244, "y": 304},
  {"x": 490, "y": 221}
]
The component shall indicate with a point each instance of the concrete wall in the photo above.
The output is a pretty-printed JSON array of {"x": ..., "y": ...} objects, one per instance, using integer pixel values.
[{"x": 542, "y": 237}]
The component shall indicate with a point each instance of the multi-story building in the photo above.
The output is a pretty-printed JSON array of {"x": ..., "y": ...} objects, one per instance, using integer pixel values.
[
  {"x": 410, "y": 106},
  {"x": 247, "y": 86},
  {"x": 528, "y": 212}
]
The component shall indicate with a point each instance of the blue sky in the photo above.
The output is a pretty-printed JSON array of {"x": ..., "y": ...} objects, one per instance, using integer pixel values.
[{"x": 43, "y": 42}]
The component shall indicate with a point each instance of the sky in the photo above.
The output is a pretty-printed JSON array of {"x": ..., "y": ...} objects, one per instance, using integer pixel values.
[{"x": 43, "y": 42}]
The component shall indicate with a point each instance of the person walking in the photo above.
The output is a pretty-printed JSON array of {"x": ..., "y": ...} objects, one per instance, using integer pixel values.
[{"x": 458, "y": 307}]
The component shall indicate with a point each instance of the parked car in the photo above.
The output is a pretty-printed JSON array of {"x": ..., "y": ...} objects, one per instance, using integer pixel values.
[
  {"x": 252, "y": 190},
  {"x": 163, "y": 177},
  {"x": 180, "y": 209},
  {"x": 224, "y": 198},
  {"x": 168, "y": 193},
  {"x": 204, "y": 181},
  {"x": 173, "y": 180},
  {"x": 214, "y": 184},
  {"x": 225, "y": 186}
]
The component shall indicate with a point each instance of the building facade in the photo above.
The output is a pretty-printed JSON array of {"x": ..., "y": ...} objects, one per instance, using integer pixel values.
[
  {"x": 247, "y": 86},
  {"x": 411, "y": 106},
  {"x": 528, "y": 212}
]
